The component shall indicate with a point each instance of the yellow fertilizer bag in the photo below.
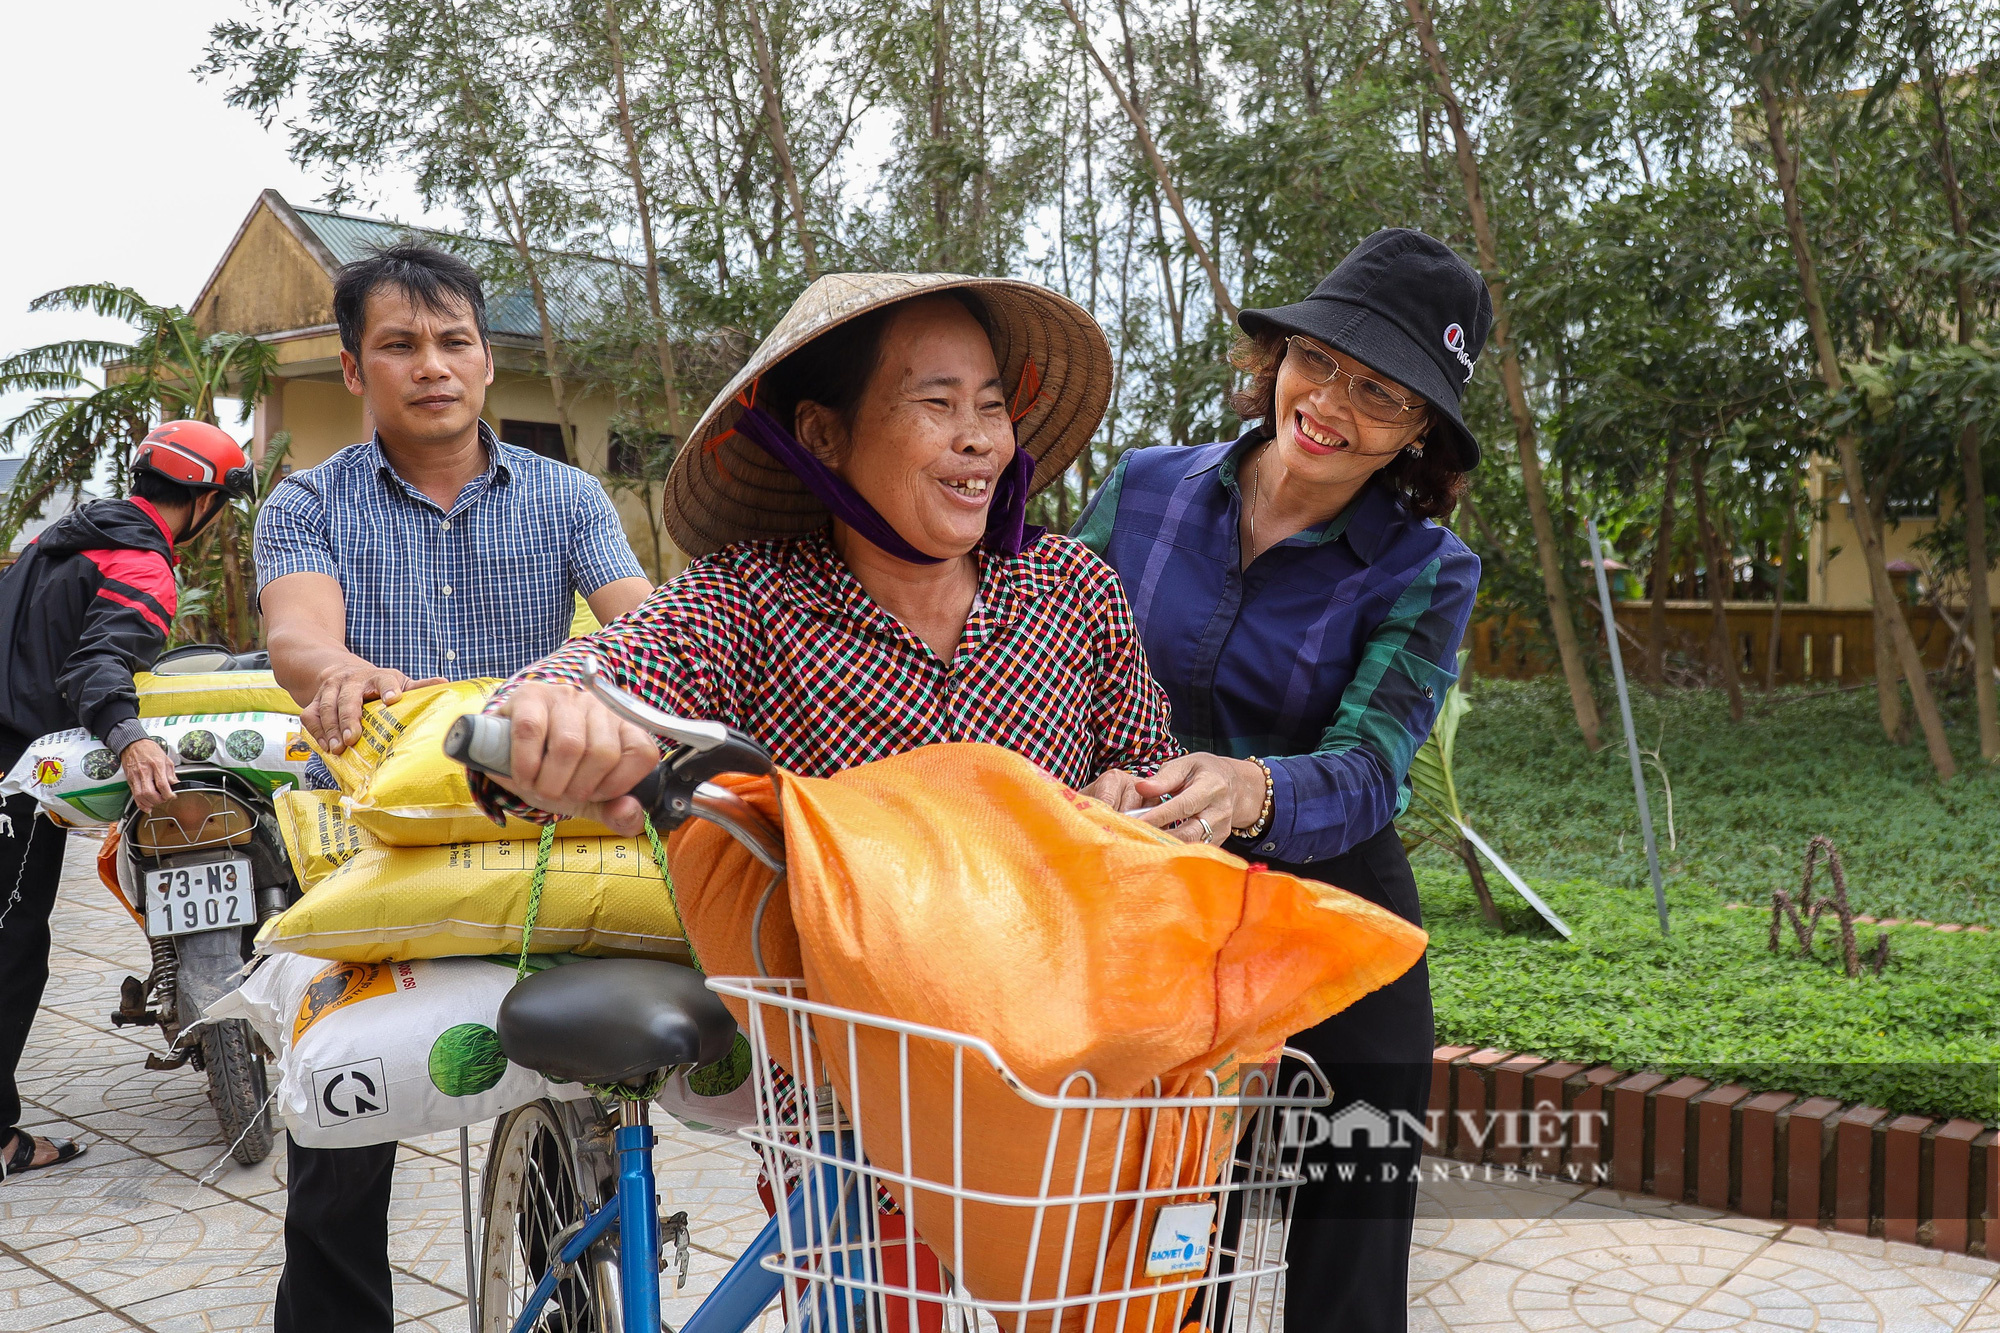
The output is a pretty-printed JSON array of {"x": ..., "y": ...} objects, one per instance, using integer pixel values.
[
  {"x": 401, "y": 787},
  {"x": 319, "y": 837},
  {"x": 366, "y": 902},
  {"x": 584, "y": 621},
  {"x": 211, "y": 692}
]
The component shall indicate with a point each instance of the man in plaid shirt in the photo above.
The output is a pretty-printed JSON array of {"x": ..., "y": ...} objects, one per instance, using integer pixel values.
[{"x": 430, "y": 552}]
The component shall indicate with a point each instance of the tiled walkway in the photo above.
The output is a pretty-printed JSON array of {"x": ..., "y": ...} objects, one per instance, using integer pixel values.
[{"x": 152, "y": 1230}]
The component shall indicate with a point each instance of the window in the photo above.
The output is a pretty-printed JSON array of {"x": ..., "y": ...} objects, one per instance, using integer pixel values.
[
  {"x": 544, "y": 437},
  {"x": 1913, "y": 501},
  {"x": 629, "y": 454}
]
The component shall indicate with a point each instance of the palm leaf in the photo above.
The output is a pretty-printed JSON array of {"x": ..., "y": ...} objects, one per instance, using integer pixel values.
[
  {"x": 169, "y": 369},
  {"x": 1434, "y": 807},
  {"x": 1434, "y": 793},
  {"x": 106, "y": 299},
  {"x": 63, "y": 358}
]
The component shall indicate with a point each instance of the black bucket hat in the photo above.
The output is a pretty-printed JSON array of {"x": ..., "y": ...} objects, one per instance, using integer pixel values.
[{"x": 1406, "y": 306}]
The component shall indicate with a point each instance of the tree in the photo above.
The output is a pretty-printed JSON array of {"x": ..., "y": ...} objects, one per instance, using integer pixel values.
[
  {"x": 1224, "y": 305},
  {"x": 412, "y": 85},
  {"x": 1887, "y": 616},
  {"x": 1526, "y": 447},
  {"x": 1920, "y": 33},
  {"x": 1164, "y": 161}
]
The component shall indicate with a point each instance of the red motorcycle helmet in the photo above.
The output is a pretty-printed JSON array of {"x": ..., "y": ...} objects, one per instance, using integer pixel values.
[{"x": 197, "y": 455}]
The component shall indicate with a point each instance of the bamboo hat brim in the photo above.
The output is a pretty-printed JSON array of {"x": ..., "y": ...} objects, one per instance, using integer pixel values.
[{"x": 724, "y": 488}]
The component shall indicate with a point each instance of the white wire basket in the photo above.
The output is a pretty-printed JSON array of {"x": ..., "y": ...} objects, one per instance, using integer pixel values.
[{"x": 936, "y": 1191}]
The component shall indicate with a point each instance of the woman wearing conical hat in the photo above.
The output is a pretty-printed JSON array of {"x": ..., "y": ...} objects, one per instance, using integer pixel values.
[{"x": 864, "y": 582}]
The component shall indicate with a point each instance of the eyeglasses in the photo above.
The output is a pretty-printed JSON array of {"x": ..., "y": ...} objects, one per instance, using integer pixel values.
[{"x": 1371, "y": 398}]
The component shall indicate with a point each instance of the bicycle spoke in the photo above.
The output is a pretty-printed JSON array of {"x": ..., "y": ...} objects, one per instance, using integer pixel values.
[{"x": 538, "y": 1197}]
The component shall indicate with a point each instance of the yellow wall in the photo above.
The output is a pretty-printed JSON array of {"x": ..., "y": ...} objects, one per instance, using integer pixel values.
[
  {"x": 323, "y": 419},
  {"x": 527, "y": 397},
  {"x": 518, "y": 397},
  {"x": 268, "y": 283},
  {"x": 1837, "y": 576}
]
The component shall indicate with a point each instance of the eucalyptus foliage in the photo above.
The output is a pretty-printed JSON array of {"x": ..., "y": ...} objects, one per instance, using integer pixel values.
[{"x": 729, "y": 150}]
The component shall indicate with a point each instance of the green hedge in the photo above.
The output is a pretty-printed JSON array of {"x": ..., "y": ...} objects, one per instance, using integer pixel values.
[
  {"x": 1710, "y": 1000},
  {"x": 1746, "y": 797}
]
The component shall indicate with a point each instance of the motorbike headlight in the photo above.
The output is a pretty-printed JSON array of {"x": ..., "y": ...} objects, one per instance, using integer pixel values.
[{"x": 193, "y": 818}]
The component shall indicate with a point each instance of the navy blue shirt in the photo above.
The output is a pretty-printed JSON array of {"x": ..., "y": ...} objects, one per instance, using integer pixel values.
[{"x": 1328, "y": 657}]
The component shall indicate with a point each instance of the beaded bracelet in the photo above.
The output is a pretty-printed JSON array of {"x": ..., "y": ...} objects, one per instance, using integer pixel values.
[{"x": 1256, "y": 830}]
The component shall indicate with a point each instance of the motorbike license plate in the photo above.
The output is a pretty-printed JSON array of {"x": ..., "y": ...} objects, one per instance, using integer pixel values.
[{"x": 210, "y": 895}]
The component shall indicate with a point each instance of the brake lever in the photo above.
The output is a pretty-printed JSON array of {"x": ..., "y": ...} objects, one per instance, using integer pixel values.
[{"x": 704, "y": 749}]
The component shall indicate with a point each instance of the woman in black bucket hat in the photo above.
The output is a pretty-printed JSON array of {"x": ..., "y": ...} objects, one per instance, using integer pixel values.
[{"x": 1303, "y": 610}]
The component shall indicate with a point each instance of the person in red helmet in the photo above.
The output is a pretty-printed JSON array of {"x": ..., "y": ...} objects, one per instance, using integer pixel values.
[{"x": 88, "y": 603}]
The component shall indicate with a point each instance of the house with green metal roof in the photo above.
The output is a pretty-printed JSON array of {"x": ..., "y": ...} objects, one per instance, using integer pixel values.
[{"x": 275, "y": 280}]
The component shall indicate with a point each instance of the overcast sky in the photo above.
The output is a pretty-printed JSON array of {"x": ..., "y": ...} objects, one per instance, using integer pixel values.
[{"x": 101, "y": 116}]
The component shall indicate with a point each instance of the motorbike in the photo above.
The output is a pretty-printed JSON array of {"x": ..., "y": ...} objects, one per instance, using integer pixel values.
[{"x": 204, "y": 870}]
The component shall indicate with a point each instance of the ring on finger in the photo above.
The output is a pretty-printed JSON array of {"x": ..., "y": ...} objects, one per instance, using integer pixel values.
[{"x": 1207, "y": 833}]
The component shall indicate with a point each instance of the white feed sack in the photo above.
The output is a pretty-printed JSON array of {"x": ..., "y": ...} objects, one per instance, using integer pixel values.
[
  {"x": 719, "y": 1099},
  {"x": 79, "y": 781},
  {"x": 375, "y": 1052}
]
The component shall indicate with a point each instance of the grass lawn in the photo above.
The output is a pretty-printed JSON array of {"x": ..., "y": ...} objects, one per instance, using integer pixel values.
[{"x": 1711, "y": 1000}]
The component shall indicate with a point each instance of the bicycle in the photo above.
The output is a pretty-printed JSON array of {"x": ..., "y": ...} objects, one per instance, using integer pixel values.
[{"x": 572, "y": 1241}]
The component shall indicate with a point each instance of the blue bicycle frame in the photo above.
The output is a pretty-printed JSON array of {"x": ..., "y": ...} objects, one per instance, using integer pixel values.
[{"x": 744, "y": 1292}]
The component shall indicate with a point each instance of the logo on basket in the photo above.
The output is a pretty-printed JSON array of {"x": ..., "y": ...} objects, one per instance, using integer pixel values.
[
  {"x": 1180, "y": 1240},
  {"x": 350, "y": 1092}
]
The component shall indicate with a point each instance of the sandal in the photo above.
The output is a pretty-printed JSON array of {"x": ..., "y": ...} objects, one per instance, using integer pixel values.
[{"x": 22, "y": 1159}]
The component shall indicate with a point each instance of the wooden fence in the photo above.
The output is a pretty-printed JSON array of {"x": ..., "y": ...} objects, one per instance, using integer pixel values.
[{"x": 1825, "y": 644}]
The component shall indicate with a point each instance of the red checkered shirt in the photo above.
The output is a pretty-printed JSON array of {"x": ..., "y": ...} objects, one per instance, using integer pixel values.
[{"x": 779, "y": 638}]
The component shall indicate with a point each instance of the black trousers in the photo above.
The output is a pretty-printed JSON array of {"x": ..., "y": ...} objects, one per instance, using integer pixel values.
[
  {"x": 1349, "y": 1253},
  {"x": 336, "y": 1277},
  {"x": 31, "y": 862}
]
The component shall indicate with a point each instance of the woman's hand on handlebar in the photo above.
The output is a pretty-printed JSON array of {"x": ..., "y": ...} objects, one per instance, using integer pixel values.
[{"x": 573, "y": 756}]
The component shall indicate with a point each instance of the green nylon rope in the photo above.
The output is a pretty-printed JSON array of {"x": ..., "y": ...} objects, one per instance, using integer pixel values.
[
  {"x": 540, "y": 877},
  {"x": 535, "y": 897}
]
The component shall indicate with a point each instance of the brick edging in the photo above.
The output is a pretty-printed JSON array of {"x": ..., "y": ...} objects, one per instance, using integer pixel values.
[{"x": 1810, "y": 1161}]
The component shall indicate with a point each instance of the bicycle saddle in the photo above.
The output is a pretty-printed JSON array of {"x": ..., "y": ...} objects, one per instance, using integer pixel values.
[{"x": 606, "y": 1020}]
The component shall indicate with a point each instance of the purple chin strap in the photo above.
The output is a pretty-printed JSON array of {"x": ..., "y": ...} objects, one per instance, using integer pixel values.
[{"x": 1007, "y": 530}]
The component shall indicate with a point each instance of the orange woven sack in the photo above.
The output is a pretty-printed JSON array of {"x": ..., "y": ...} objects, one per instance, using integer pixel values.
[{"x": 963, "y": 887}]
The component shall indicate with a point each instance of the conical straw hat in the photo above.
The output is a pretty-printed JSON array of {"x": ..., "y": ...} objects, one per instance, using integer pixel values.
[{"x": 723, "y": 488}]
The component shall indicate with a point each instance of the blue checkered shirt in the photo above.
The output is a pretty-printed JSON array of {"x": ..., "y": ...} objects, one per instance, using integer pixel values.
[{"x": 484, "y": 590}]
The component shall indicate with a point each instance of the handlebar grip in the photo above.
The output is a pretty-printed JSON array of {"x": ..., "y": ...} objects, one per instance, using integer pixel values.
[{"x": 484, "y": 743}]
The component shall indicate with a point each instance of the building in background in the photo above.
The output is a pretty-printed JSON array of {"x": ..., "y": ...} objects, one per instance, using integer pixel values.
[
  {"x": 1836, "y": 575},
  {"x": 275, "y": 281}
]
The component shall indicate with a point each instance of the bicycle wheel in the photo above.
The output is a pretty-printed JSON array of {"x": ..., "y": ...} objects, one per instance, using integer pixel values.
[{"x": 543, "y": 1175}]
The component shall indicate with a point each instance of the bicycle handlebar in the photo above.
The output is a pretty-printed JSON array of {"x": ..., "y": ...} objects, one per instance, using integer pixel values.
[{"x": 676, "y": 791}]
